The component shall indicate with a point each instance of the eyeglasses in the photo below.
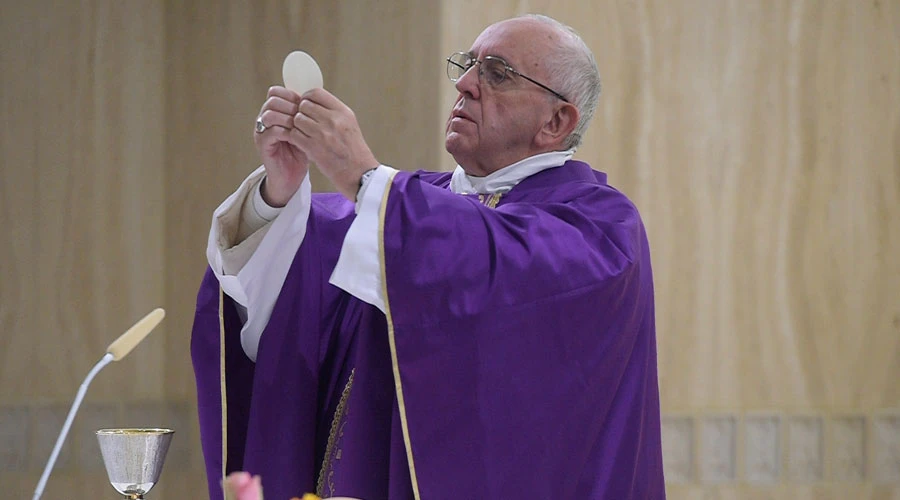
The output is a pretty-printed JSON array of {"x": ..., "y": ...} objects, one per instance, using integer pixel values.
[{"x": 493, "y": 71}]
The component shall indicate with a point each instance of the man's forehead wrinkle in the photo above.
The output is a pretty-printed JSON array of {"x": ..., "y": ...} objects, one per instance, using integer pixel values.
[
  {"x": 507, "y": 57},
  {"x": 490, "y": 43}
]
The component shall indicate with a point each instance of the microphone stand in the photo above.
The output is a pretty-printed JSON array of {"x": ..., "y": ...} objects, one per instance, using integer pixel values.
[{"x": 105, "y": 360}]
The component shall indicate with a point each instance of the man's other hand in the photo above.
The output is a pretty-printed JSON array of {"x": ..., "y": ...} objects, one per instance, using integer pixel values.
[{"x": 331, "y": 137}]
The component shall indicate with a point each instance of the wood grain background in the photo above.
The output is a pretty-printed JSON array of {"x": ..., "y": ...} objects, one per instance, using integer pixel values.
[{"x": 760, "y": 140}]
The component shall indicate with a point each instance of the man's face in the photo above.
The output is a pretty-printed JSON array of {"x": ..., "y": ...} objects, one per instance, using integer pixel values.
[{"x": 492, "y": 127}]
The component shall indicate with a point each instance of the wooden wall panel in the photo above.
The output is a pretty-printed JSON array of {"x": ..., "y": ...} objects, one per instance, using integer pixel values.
[
  {"x": 81, "y": 198},
  {"x": 82, "y": 186},
  {"x": 18, "y": 187}
]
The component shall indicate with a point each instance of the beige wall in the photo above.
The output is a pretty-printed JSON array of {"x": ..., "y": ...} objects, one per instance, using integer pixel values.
[{"x": 761, "y": 141}]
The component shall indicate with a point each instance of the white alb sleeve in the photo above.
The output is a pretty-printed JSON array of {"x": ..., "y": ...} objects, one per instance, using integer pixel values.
[
  {"x": 257, "y": 284},
  {"x": 358, "y": 269}
]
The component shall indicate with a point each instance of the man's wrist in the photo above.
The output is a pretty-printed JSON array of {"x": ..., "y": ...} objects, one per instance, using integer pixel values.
[
  {"x": 274, "y": 201},
  {"x": 265, "y": 210},
  {"x": 364, "y": 182}
]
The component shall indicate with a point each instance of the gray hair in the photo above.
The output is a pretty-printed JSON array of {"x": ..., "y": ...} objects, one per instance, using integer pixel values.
[{"x": 575, "y": 75}]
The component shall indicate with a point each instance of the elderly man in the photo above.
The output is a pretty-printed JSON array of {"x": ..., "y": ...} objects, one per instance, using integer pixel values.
[{"x": 486, "y": 333}]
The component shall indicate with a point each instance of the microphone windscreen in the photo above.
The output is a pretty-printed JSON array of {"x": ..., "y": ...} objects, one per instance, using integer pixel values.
[{"x": 131, "y": 338}]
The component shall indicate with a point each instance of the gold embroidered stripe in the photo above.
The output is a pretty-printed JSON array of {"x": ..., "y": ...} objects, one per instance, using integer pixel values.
[
  {"x": 490, "y": 201},
  {"x": 328, "y": 462}
]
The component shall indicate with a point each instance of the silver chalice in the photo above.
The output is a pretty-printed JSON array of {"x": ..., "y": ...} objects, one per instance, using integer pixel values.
[{"x": 134, "y": 458}]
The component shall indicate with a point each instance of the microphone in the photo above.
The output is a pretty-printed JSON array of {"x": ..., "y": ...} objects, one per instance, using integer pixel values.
[
  {"x": 134, "y": 335},
  {"x": 116, "y": 351}
]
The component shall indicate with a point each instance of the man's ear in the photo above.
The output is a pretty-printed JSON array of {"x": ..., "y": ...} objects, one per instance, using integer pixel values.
[{"x": 559, "y": 126}]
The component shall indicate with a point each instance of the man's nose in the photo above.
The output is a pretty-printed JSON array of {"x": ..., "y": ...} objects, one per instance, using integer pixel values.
[{"x": 468, "y": 83}]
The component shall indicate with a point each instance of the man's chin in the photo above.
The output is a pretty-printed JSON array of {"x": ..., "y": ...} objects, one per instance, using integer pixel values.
[{"x": 454, "y": 143}]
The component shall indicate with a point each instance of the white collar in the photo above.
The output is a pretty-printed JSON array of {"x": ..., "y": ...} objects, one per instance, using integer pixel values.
[{"x": 506, "y": 178}]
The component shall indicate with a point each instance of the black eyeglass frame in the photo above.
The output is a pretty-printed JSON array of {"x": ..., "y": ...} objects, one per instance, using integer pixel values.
[{"x": 473, "y": 62}]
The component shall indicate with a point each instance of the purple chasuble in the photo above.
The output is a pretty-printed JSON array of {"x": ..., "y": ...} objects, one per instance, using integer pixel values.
[{"x": 517, "y": 358}]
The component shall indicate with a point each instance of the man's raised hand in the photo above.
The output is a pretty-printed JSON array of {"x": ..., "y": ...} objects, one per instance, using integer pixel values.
[{"x": 278, "y": 146}]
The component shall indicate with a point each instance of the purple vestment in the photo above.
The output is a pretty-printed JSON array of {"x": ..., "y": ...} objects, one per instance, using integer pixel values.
[{"x": 517, "y": 358}]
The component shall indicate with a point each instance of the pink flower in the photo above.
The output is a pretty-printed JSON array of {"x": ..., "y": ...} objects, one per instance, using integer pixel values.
[{"x": 241, "y": 486}]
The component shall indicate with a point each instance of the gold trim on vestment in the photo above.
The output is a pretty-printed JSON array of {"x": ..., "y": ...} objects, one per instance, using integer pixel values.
[
  {"x": 222, "y": 381},
  {"x": 490, "y": 201},
  {"x": 333, "y": 437},
  {"x": 390, "y": 324}
]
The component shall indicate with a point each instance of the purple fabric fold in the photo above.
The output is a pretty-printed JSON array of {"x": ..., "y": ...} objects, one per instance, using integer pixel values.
[{"x": 525, "y": 339}]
